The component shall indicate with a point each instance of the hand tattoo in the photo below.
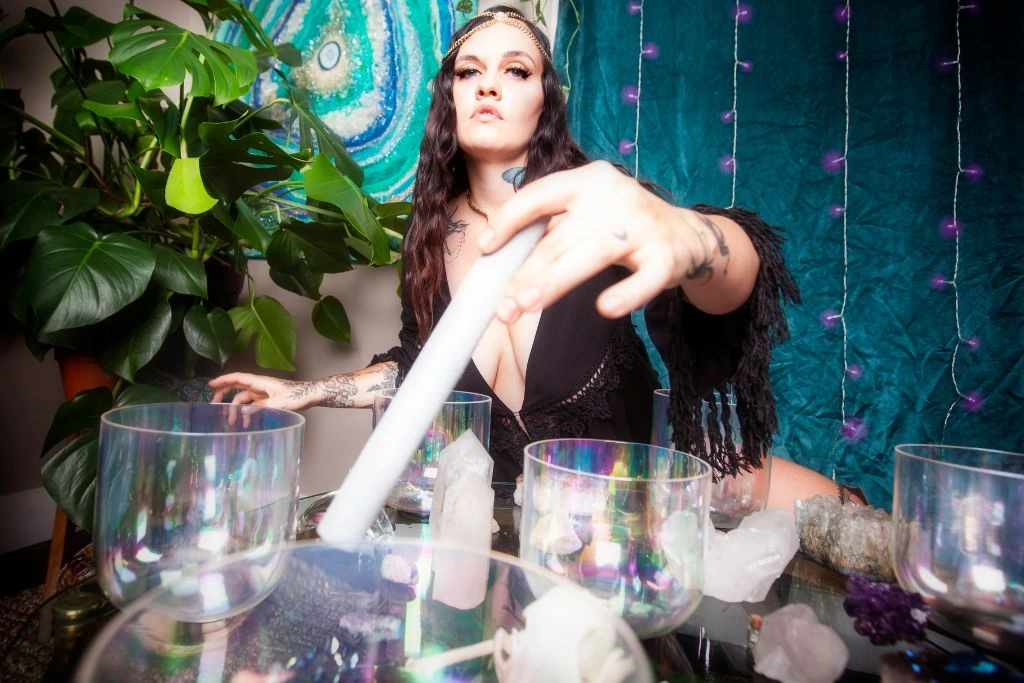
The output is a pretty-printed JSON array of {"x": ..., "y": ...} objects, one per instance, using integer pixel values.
[
  {"x": 388, "y": 375},
  {"x": 338, "y": 391}
]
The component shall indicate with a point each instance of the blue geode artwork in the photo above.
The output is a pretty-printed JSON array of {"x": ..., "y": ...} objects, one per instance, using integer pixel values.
[{"x": 367, "y": 64}]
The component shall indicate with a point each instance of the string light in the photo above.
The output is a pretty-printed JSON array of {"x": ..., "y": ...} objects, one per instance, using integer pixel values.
[
  {"x": 950, "y": 228},
  {"x": 851, "y": 429},
  {"x": 742, "y": 14},
  {"x": 631, "y": 93}
]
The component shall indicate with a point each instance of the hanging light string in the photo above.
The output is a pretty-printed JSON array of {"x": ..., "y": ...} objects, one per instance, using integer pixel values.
[
  {"x": 639, "y": 92},
  {"x": 955, "y": 229},
  {"x": 735, "y": 95}
]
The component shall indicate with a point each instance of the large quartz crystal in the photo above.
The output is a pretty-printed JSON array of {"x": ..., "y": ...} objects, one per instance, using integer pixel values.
[
  {"x": 793, "y": 646},
  {"x": 462, "y": 512},
  {"x": 853, "y": 539},
  {"x": 742, "y": 565}
]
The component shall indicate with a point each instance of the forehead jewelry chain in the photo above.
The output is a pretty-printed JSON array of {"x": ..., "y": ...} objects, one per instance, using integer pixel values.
[{"x": 474, "y": 207}]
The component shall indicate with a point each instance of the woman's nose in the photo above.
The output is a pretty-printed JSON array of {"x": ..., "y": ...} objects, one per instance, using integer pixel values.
[{"x": 487, "y": 86}]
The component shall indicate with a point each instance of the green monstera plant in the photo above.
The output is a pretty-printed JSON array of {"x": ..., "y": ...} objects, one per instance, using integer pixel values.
[{"x": 152, "y": 172}]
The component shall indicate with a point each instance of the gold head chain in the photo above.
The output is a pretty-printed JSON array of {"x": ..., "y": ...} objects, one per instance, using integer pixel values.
[{"x": 516, "y": 21}]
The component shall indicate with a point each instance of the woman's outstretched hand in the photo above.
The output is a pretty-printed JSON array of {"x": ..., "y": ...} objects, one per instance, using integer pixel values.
[
  {"x": 263, "y": 390},
  {"x": 602, "y": 217}
]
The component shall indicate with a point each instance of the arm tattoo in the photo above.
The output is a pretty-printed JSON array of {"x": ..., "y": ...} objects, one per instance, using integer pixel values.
[
  {"x": 700, "y": 266},
  {"x": 388, "y": 377},
  {"x": 338, "y": 390}
]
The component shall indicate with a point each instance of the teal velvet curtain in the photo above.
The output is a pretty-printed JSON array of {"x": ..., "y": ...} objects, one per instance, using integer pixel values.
[{"x": 902, "y": 163}]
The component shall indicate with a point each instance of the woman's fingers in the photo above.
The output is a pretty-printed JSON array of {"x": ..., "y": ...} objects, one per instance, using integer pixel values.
[{"x": 644, "y": 284}]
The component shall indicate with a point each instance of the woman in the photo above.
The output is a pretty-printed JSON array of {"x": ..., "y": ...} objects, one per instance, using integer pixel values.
[{"x": 712, "y": 279}]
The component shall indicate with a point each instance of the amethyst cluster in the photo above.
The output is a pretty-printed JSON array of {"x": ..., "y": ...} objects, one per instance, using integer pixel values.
[{"x": 884, "y": 612}]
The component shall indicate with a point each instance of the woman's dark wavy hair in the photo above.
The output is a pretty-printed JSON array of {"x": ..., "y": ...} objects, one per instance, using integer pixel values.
[{"x": 441, "y": 173}]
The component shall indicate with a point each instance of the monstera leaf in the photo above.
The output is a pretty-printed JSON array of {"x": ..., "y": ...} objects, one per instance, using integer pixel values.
[
  {"x": 159, "y": 54},
  {"x": 323, "y": 182},
  {"x": 74, "y": 277},
  {"x": 69, "y": 476}
]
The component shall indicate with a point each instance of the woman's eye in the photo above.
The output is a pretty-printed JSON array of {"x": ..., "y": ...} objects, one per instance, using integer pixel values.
[
  {"x": 519, "y": 72},
  {"x": 466, "y": 73}
]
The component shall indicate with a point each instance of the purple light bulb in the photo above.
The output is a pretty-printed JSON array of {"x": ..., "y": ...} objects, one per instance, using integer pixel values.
[
  {"x": 854, "y": 429},
  {"x": 743, "y": 13},
  {"x": 746, "y": 66},
  {"x": 728, "y": 116},
  {"x": 972, "y": 343},
  {"x": 974, "y": 172},
  {"x": 938, "y": 281},
  {"x": 832, "y": 161},
  {"x": 972, "y": 402},
  {"x": 971, "y": 8},
  {"x": 841, "y": 55},
  {"x": 634, "y": 7},
  {"x": 949, "y": 228},
  {"x": 631, "y": 94},
  {"x": 855, "y": 372},
  {"x": 841, "y": 13},
  {"x": 726, "y": 164},
  {"x": 650, "y": 51},
  {"x": 945, "y": 65},
  {"x": 836, "y": 211},
  {"x": 626, "y": 147},
  {"x": 828, "y": 318}
]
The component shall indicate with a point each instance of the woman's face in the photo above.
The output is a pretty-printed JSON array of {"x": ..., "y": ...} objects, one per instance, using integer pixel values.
[{"x": 498, "y": 94}]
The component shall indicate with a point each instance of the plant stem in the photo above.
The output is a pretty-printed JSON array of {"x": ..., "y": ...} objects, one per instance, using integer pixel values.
[
  {"x": 184, "y": 118},
  {"x": 195, "y": 239},
  {"x": 53, "y": 132}
]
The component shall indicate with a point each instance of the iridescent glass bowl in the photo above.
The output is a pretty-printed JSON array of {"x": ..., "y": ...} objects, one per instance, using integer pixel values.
[
  {"x": 625, "y": 520},
  {"x": 183, "y": 484},
  {"x": 958, "y": 538},
  {"x": 366, "y": 613},
  {"x": 463, "y": 411},
  {"x": 732, "y": 498}
]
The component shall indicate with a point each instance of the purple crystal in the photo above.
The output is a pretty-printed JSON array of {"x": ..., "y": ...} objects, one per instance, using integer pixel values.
[{"x": 884, "y": 612}]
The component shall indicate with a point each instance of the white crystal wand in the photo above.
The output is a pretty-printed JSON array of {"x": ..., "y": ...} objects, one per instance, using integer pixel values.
[{"x": 440, "y": 363}]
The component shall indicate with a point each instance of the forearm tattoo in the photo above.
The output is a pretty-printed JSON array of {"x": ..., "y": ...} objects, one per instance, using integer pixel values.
[
  {"x": 338, "y": 391},
  {"x": 701, "y": 264}
]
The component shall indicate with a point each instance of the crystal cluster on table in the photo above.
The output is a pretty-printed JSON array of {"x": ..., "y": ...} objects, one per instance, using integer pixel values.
[
  {"x": 741, "y": 565},
  {"x": 853, "y": 539}
]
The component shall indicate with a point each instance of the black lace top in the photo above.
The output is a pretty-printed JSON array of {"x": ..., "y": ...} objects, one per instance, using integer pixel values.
[{"x": 588, "y": 376}]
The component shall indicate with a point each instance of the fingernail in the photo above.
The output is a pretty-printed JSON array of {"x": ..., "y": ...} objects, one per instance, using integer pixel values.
[
  {"x": 529, "y": 298},
  {"x": 507, "y": 309},
  {"x": 485, "y": 239}
]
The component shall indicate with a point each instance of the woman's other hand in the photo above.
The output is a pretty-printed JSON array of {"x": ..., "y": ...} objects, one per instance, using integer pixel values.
[
  {"x": 263, "y": 390},
  {"x": 602, "y": 217}
]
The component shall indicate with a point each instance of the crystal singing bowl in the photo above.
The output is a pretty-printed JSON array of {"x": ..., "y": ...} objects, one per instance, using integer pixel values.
[
  {"x": 958, "y": 538},
  {"x": 463, "y": 411},
  {"x": 732, "y": 498},
  {"x": 182, "y": 484},
  {"x": 625, "y": 520},
  {"x": 364, "y": 613}
]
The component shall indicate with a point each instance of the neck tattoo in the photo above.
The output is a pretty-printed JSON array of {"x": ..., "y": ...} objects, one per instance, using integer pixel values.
[
  {"x": 453, "y": 227},
  {"x": 474, "y": 207}
]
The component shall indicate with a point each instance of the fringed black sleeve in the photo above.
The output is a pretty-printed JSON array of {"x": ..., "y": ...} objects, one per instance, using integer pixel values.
[{"x": 714, "y": 358}]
